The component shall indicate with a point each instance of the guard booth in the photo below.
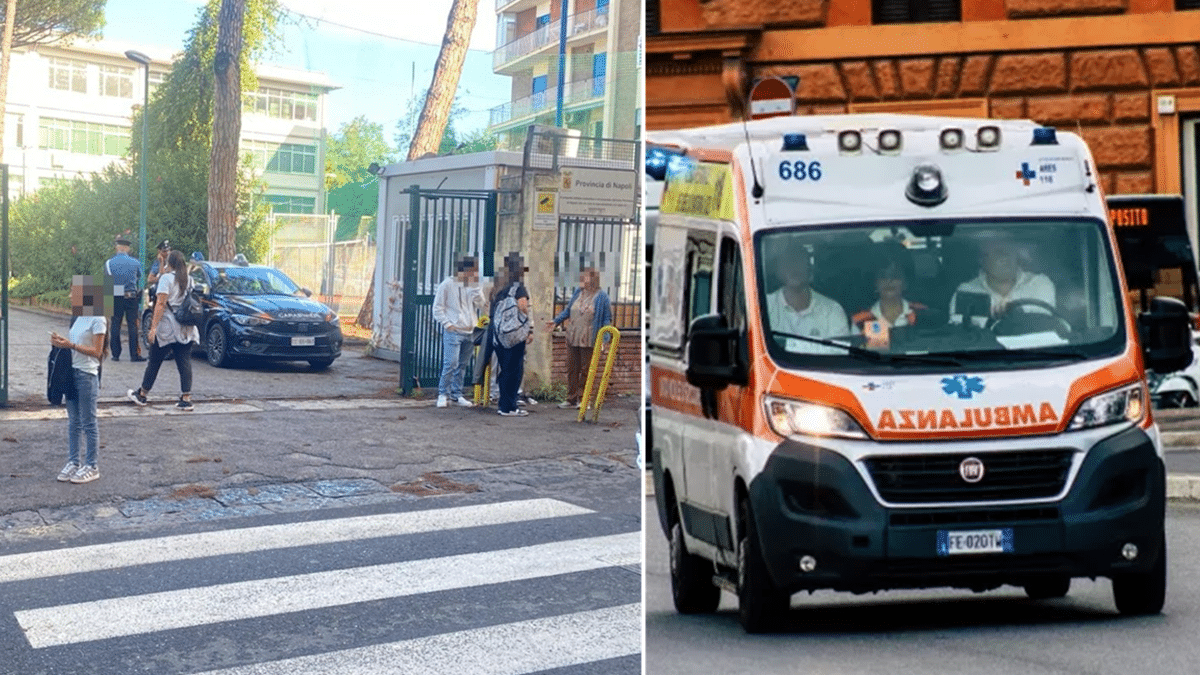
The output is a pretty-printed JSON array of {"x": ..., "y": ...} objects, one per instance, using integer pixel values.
[{"x": 1156, "y": 251}]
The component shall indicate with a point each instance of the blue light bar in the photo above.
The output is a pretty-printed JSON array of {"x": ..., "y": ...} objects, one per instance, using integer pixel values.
[
  {"x": 795, "y": 142},
  {"x": 1045, "y": 136}
]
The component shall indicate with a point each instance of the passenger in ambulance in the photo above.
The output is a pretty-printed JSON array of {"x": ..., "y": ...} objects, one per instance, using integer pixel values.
[
  {"x": 1001, "y": 282},
  {"x": 893, "y": 270},
  {"x": 797, "y": 309}
]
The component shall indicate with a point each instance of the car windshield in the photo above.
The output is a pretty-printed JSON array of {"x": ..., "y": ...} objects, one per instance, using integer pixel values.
[
  {"x": 994, "y": 294},
  {"x": 253, "y": 281}
]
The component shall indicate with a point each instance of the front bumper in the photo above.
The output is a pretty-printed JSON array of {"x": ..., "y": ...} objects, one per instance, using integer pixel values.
[
  {"x": 809, "y": 501},
  {"x": 264, "y": 343}
]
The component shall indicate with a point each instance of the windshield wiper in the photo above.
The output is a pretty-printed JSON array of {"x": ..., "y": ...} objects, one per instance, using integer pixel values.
[
  {"x": 1017, "y": 355},
  {"x": 877, "y": 356}
]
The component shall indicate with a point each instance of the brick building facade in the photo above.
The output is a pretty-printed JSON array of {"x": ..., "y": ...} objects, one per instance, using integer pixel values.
[{"x": 1123, "y": 73}]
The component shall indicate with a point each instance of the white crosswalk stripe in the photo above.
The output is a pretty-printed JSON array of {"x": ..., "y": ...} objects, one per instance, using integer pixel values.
[{"x": 570, "y": 635}]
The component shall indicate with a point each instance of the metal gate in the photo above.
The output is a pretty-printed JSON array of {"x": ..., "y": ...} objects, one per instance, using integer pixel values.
[{"x": 442, "y": 225}]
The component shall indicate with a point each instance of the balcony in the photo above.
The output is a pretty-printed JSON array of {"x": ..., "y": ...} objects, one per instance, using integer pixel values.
[
  {"x": 524, "y": 107},
  {"x": 544, "y": 36},
  {"x": 581, "y": 91}
]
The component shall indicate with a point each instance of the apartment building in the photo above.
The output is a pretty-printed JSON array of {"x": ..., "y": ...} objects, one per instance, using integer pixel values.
[
  {"x": 601, "y": 91},
  {"x": 69, "y": 114}
]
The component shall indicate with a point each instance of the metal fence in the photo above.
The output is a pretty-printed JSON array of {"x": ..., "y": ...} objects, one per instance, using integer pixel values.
[
  {"x": 338, "y": 272},
  {"x": 614, "y": 248}
]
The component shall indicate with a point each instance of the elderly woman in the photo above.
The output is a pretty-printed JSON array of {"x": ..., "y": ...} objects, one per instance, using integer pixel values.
[{"x": 586, "y": 313}]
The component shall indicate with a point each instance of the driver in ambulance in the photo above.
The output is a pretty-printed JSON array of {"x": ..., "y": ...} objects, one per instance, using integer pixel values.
[{"x": 1001, "y": 281}]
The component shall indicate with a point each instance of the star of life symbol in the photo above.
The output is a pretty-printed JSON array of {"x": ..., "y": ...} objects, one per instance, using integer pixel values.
[
  {"x": 1026, "y": 174},
  {"x": 963, "y": 386}
]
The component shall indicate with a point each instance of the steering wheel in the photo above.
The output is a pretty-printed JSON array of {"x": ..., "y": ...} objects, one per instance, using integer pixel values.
[{"x": 999, "y": 324}]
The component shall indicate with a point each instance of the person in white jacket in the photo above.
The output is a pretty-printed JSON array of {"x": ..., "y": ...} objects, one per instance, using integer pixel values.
[{"x": 456, "y": 306}]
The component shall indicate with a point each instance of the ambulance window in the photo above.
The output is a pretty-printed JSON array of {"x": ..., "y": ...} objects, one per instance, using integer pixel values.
[
  {"x": 731, "y": 297},
  {"x": 700, "y": 250}
]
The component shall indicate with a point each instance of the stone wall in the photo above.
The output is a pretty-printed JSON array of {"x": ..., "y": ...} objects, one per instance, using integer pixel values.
[{"x": 1102, "y": 93}]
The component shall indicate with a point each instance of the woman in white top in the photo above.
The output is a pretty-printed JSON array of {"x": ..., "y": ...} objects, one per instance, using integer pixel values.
[
  {"x": 167, "y": 335},
  {"x": 88, "y": 348}
]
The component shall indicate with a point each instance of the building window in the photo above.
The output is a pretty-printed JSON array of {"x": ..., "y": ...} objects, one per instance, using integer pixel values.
[
  {"x": 280, "y": 104},
  {"x": 286, "y": 204},
  {"x": 543, "y": 20},
  {"x": 156, "y": 80},
  {"x": 68, "y": 75},
  {"x": 653, "y": 17},
  {"x": 915, "y": 11},
  {"x": 285, "y": 158},
  {"x": 116, "y": 81},
  {"x": 1187, "y": 4},
  {"x": 84, "y": 138}
]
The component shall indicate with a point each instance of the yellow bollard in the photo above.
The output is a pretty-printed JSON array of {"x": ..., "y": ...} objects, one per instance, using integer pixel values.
[
  {"x": 595, "y": 363},
  {"x": 481, "y": 391}
]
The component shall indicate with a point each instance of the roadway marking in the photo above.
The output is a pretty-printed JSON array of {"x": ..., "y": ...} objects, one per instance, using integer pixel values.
[
  {"x": 507, "y": 649},
  {"x": 112, "y": 408},
  {"x": 42, "y": 564},
  {"x": 141, "y": 614}
]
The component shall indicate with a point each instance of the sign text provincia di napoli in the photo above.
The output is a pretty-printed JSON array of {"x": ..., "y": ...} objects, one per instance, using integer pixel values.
[{"x": 605, "y": 193}]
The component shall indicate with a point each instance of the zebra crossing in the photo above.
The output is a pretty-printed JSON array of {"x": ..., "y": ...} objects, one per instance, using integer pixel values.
[{"x": 515, "y": 587}]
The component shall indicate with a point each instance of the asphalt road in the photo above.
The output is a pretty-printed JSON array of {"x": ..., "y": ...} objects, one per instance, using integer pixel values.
[
  {"x": 522, "y": 581},
  {"x": 937, "y": 631}
]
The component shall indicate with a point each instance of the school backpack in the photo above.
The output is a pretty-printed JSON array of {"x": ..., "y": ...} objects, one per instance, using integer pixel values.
[
  {"x": 511, "y": 325},
  {"x": 60, "y": 376}
]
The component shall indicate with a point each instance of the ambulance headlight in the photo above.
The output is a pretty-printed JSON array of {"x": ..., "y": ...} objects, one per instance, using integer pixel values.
[
  {"x": 796, "y": 418},
  {"x": 988, "y": 138},
  {"x": 889, "y": 140},
  {"x": 926, "y": 188},
  {"x": 951, "y": 139},
  {"x": 850, "y": 142},
  {"x": 1127, "y": 404}
]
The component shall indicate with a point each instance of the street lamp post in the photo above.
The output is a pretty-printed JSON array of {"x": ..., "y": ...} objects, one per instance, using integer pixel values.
[{"x": 141, "y": 58}]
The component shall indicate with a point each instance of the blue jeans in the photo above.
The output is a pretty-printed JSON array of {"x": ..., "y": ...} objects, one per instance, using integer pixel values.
[
  {"x": 81, "y": 417},
  {"x": 456, "y": 353}
]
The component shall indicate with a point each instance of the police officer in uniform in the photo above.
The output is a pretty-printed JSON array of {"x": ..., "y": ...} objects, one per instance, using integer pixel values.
[{"x": 126, "y": 272}]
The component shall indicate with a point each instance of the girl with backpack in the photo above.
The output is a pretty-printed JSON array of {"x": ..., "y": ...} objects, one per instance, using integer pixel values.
[
  {"x": 88, "y": 346},
  {"x": 168, "y": 336},
  {"x": 511, "y": 331}
]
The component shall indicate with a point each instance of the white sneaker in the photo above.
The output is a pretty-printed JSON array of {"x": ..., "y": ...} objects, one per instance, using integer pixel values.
[
  {"x": 463, "y": 402},
  {"x": 441, "y": 402}
]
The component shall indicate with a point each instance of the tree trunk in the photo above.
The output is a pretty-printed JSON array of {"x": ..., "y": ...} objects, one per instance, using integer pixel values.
[
  {"x": 438, "y": 102},
  {"x": 227, "y": 127},
  {"x": 10, "y": 20}
]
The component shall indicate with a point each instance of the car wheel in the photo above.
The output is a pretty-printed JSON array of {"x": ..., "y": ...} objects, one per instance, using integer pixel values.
[
  {"x": 691, "y": 578},
  {"x": 1049, "y": 587},
  {"x": 319, "y": 364},
  {"x": 216, "y": 346},
  {"x": 1142, "y": 593},
  {"x": 760, "y": 605}
]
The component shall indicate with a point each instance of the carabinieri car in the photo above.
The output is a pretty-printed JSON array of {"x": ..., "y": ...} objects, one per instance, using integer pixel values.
[{"x": 255, "y": 312}]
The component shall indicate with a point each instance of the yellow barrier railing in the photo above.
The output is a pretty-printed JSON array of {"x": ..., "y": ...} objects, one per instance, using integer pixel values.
[{"x": 595, "y": 363}]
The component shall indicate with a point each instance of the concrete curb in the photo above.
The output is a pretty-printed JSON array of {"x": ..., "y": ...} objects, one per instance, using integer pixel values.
[{"x": 1182, "y": 487}]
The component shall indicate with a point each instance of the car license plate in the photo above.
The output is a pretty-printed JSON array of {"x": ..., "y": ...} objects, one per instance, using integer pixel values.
[
  {"x": 975, "y": 541},
  {"x": 304, "y": 341}
]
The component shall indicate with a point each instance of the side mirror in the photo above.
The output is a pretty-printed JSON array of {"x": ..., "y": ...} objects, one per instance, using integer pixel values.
[
  {"x": 713, "y": 349},
  {"x": 1166, "y": 335},
  {"x": 307, "y": 293}
]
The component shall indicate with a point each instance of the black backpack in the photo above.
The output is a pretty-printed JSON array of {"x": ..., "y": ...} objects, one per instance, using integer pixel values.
[{"x": 60, "y": 376}]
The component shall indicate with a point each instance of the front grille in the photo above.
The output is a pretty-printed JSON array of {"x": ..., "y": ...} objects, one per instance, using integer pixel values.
[
  {"x": 973, "y": 517},
  {"x": 928, "y": 479}
]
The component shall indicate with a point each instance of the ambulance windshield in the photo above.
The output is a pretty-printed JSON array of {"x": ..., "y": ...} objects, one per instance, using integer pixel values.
[{"x": 995, "y": 291}]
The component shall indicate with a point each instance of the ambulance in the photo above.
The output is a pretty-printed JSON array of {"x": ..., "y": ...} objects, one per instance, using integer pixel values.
[{"x": 896, "y": 352}]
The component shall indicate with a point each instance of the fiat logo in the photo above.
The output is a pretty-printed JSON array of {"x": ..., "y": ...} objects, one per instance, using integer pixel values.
[{"x": 971, "y": 470}]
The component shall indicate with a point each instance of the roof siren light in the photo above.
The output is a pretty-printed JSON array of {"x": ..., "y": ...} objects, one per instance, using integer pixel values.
[
  {"x": 890, "y": 141},
  {"x": 926, "y": 188},
  {"x": 988, "y": 138},
  {"x": 951, "y": 139},
  {"x": 849, "y": 142},
  {"x": 795, "y": 142},
  {"x": 1045, "y": 136}
]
